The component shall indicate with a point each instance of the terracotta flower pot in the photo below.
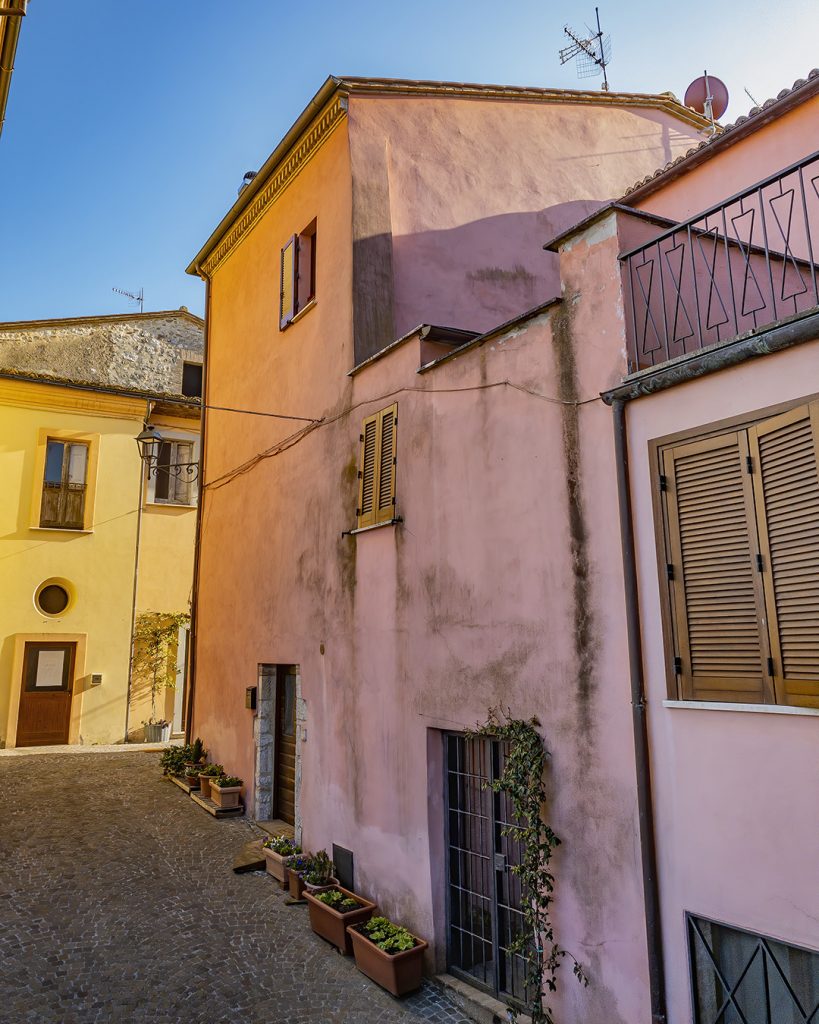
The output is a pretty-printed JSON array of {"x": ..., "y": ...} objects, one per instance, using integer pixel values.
[
  {"x": 398, "y": 973},
  {"x": 296, "y": 883},
  {"x": 225, "y": 796},
  {"x": 277, "y": 865},
  {"x": 204, "y": 785},
  {"x": 332, "y": 925},
  {"x": 192, "y": 778}
]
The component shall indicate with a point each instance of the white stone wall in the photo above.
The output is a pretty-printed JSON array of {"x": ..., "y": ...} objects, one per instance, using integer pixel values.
[{"x": 144, "y": 352}]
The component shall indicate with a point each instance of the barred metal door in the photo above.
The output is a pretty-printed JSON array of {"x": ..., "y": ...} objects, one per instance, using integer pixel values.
[{"x": 484, "y": 915}]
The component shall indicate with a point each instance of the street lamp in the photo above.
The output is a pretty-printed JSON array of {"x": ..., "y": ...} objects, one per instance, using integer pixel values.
[{"x": 150, "y": 443}]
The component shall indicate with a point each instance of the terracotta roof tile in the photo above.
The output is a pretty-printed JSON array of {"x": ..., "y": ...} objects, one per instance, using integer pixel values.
[{"x": 716, "y": 141}]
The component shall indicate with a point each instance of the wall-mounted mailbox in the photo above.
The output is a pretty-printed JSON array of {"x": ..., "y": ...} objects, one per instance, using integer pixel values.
[
  {"x": 96, "y": 679},
  {"x": 250, "y": 698}
]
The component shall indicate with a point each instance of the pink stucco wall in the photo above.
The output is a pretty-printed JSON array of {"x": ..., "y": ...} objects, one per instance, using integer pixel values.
[
  {"x": 475, "y": 187},
  {"x": 502, "y": 585},
  {"x": 735, "y": 792}
]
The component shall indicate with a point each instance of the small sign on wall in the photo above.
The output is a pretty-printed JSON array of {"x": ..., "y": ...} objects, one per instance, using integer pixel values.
[{"x": 250, "y": 698}]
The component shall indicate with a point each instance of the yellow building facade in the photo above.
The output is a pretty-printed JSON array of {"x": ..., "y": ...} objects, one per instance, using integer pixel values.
[{"x": 91, "y": 540}]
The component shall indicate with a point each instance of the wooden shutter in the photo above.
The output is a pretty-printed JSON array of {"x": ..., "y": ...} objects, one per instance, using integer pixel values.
[
  {"x": 287, "y": 289},
  {"x": 716, "y": 592},
  {"x": 366, "y": 474},
  {"x": 182, "y": 453},
  {"x": 388, "y": 424},
  {"x": 64, "y": 485},
  {"x": 786, "y": 482}
]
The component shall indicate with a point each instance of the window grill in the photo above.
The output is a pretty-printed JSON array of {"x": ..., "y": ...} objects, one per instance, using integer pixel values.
[
  {"x": 738, "y": 977},
  {"x": 484, "y": 898}
]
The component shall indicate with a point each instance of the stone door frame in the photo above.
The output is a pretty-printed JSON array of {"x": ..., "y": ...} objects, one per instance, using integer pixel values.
[{"x": 264, "y": 734}]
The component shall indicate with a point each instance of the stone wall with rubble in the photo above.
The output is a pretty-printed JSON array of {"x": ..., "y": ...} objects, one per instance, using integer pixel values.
[{"x": 142, "y": 351}]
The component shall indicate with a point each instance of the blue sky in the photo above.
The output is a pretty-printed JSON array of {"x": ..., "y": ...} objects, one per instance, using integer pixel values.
[{"x": 131, "y": 122}]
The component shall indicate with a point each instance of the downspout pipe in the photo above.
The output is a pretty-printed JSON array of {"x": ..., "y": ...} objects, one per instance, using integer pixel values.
[
  {"x": 200, "y": 506},
  {"x": 645, "y": 806},
  {"x": 11, "y": 14},
  {"x": 148, "y": 411}
]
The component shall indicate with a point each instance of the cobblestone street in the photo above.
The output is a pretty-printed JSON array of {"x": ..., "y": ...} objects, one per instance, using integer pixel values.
[{"x": 118, "y": 903}]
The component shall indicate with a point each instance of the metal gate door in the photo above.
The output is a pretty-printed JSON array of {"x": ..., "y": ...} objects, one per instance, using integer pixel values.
[{"x": 484, "y": 912}]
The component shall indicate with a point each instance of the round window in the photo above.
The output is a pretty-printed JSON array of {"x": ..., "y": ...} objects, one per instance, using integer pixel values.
[{"x": 52, "y": 599}]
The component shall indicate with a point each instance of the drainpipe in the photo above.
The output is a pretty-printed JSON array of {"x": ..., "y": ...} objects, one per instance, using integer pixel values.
[
  {"x": 13, "y": 11},
  {"x": 648, "y": 849},
  {"x": 148, "y": 409},
  {"x": 200, "y": 505}
]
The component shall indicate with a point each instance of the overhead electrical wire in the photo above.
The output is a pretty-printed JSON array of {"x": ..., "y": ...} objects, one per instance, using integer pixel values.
[{"x": 298, "y": 435}]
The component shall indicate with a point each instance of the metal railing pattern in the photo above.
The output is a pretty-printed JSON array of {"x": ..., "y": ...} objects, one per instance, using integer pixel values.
[{"x": 744, "y": 264}]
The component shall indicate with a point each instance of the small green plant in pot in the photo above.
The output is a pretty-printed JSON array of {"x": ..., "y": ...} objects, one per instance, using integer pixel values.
[
  {"x": 174, "y": 759},
  {"x": 389, "y": 954},
  {"x": 207, "y": 775},
  {"x": 278, "y": 850},
  {"x": 225, "y": 791},
  {"x": 198, "y": 754},
  {"x": 333, "y": 910}
]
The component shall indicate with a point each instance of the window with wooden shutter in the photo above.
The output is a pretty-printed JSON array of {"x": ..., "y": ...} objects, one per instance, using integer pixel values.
[
  {"x": 64, "y": 485},
  {"x": 377, "y": 462},
  {"x": 716, "y": 592},
  {"x": 742, "y": 542},
  {"x": 784, "y": 456},
  {"x": 297, "y": 289},
  {"x": 172, "y": 481},
  {"x": 287, "y": 286}
]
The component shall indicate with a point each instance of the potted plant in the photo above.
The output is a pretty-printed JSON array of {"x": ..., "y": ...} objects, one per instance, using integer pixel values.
[
  {"x": 173, "y": 760},
  {"x": 319, "y": 872},
  {"x": 153, "y": 662},
  {"x": 192, "y": 775},
  {"x": 157, "y": 731},
  {"x": 277, "y": 852},
  {"x": 225, "y": 790},
  {"x": 206, "y": 775},
  {"x": 332, "y": 910},
  {"x": 296, "y": 867},
  {"x": 198, "y": 754},
  {"x": 389, "y": 954}
]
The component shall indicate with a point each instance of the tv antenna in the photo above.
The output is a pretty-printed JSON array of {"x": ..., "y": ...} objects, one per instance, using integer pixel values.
[
  {"x": 593, "y": 53},
  {"x": 755, "y": 102},
  {"x": 139, "y": 297}
]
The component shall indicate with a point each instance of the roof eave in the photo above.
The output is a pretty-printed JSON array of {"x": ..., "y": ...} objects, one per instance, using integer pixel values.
[
  {"x": 729, "y": 135},
  {"x": 330, "y": 87},
  {"x": 368, "y": 86}
]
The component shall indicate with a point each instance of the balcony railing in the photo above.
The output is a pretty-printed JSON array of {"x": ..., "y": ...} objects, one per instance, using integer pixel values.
[{"x": 743, "y": 265}]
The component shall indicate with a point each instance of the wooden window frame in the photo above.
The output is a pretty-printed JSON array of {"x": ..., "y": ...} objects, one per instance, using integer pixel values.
[
  {"x": 297, "y": 275},
  {"x": 92, "y": 442},
  {"x": 658, "y": 448},
  {"x": 381, "y": 511},
  {"x": 175, "y": 438}
]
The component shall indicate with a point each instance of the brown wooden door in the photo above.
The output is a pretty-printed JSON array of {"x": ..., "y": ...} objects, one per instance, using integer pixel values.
[
  {"x": 285, "y": 779},
  {"x": 45, "y": 695}
]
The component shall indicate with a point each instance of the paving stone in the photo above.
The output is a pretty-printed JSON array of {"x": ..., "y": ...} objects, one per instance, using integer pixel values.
[{"x": 118, "y": 902}]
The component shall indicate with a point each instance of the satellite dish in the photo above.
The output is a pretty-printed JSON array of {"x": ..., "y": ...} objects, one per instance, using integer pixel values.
[{"x": 708, "y": 96}]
